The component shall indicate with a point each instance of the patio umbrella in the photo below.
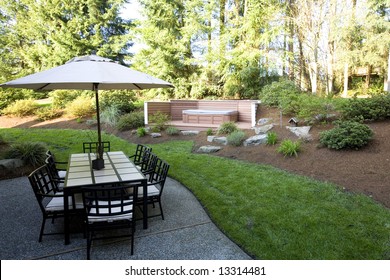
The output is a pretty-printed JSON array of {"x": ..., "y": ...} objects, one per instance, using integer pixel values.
[{"x": 90, "y": 72}]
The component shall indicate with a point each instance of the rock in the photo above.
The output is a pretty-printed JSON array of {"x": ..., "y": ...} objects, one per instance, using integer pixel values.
[
  {"x": 263, "y": 129},
  {"x": 155, "y": 135},
  {"x": 220, "y": 140},
  {"x": 11, "y": 163},
  {"x": 209, "y": 149},
  {"x": 302, "y": 132},
  {"x": 210, "y": 138},
  {"x": 190, "y": 132},
  {"x": 91, "y": 122},
  {"x": 256, "y": 140},
  {"x": 264, "y": 121}
]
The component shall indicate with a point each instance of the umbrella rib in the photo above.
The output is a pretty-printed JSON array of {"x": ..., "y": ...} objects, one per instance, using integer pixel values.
[
  {"x": 137, "y": 86},
  {"x": 42, "y": 87}
]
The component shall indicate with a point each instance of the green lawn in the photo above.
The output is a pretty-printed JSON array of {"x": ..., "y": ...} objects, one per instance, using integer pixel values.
[{"x": 270, "y": 213}]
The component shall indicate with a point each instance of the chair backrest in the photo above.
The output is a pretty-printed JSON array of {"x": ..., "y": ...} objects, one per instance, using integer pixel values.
[
  {"x": 159, "y": 174},
  {"x": 107, "y": 204},
  {"x": 42, "y": 185},
  {"x": 148, "y": 162},
  {"x": 91, "y": 147},
  {"x": 140, "y": 153},
  {"x": 51, "y": 164}
]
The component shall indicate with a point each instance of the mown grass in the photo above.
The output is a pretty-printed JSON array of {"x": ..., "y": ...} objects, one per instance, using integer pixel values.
[{"x": 270, "y": 213}]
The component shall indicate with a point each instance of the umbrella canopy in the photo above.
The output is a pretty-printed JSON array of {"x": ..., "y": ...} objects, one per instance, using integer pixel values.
[{"x": 89, "y": 73}]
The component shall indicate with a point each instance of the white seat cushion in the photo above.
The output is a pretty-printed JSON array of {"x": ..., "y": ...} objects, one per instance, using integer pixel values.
[
  {"x": 152, "y": 191},
  {"x": 128, "y": 216},
  {"x": 61, "y": 173},
  {"x": 57, "y": 203}
]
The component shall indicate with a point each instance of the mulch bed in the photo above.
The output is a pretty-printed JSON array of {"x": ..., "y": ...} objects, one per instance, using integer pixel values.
[{"x": 363, "y": 171}]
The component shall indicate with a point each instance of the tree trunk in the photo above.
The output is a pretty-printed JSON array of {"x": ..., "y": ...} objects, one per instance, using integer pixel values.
[
  {"x": 346, "y": 73},
  {"x": 387, "y": 83}
]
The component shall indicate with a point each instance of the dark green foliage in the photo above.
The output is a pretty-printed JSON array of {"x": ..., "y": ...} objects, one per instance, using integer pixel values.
[
  {"x": 373, "y": 108},
  {"x": 33, "y": 153},
  {"x": 130, "y": 121},
  {"x": 279, "y": 94},
  {"x": 171, "y": 130},
  {"x": 346, "y": 134},
  {"x": 121, "y": 99},
  {"x": 9, "y": 96},
  {"x": 60, "y": 98}
]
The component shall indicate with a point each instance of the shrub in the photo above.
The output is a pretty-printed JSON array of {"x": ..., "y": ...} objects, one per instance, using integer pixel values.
[
  {"x": 346, "y": 134},
  {"x": 373, "y": 108},
  {"x": 82, "y": 106},
  {"x": 236, "y": 138},
  {"x": 33, "y": 153},
  {"x": 48, "y": 113},
  {"x": 141, "y": 131},
  {"x": 289, "y": 147},
  {"x": 7, "y": 97},
  {"x": 227, "y": 128},
  {"x": 159, "y": 121},
  {"x": 171, "y": 130},
  {"x": 2, "y": 140},
  {"x": 130, "y": 121},
  {"x": 279, "y": 93},
  {"x": 60, "y": 98},
  {"x": 21, "y": 108},
  {"x": 209, "y": 132},
  {"x": 272, "y": 138},
  {"x": 110, "y": 115},
  {"x": 121, "y": 99}
]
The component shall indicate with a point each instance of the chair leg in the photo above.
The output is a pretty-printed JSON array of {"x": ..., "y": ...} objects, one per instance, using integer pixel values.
[
  {"x": 161, "y": 210},
  {"x": 42, "y": 229},
  {"x": 89, "y": 241}
]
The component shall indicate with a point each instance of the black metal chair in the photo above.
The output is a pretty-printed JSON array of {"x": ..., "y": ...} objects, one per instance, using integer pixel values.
[
  {"x": 108, "y": 208},
  {"x": 139, "y": 157},
  {"x": 91, "y": 147},
  {"x": 148, "y": 163},
  {"x": 155, "y": 186},
  {"x": 50, "y": 200},
  {"x": 60, "y": 172}
]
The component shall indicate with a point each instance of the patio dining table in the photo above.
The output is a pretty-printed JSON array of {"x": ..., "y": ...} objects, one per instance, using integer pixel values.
[{"x": 119, "y": 169}]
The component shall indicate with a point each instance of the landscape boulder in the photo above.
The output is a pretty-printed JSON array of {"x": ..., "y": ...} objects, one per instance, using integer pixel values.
[
  {"x": 209, "y": 149},
  {"x": 302, "y": 132},
  {"x": 256, "y": 140},
  {"x": 11, "y": 163}
]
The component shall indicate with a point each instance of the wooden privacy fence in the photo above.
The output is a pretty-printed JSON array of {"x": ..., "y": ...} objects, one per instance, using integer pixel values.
[{"x": 245, "y": 109}]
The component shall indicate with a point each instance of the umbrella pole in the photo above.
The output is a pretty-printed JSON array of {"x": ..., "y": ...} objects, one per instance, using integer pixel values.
[{"x": 99, "y": 162}]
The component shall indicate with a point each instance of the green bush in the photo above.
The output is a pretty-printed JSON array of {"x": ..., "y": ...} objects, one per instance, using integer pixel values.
[
  {"x": 121, "y": 99},
  {"x": 60, "y": 98},
  {"x": 209, "y": 132},
  {"x": 21, "y": 108},
  {"x": 289, "y": 147},
  {"x": 159, "y": 121},
  {"x": 346, "y": 134},
  {"x": 33, "y": 153},
  {"x": 279, "y": 94},
  {"x": 373, "y": 108},
  {"x": 272, "y": 138},
  {"x": 131, "y": 121},
  {"x": 171, "y": 130},
  {"x": 48, "y": 113},
  {"x": 7, "y": 97},
  {"x": 141, "y": 131},
  {"x": 82, "y": 106},
  {"x": 236, "y": 138},
  {"x": 227, "y": 128}
]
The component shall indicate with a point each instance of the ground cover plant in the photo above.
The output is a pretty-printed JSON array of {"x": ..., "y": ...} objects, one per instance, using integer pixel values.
[{"x": 271, "y": 214}]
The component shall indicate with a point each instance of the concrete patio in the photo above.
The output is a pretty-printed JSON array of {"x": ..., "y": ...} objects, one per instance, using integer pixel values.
[{"x": 187, "y": 233}]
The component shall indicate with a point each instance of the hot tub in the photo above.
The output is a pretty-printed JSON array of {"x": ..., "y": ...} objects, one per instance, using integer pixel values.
[{"x": 202, "y": 116}]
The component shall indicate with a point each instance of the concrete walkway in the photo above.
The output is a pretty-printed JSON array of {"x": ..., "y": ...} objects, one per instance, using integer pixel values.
[{"x": 186, "y": 233}]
